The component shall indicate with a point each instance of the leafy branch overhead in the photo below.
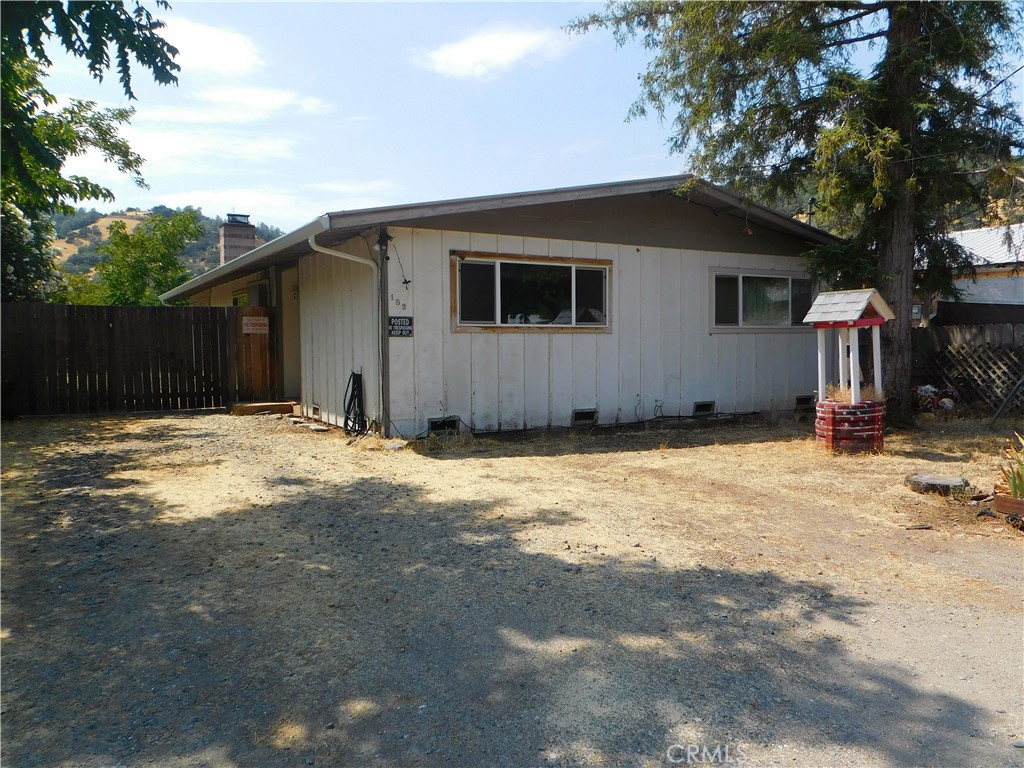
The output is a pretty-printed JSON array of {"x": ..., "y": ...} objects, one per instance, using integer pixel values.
[
  {"x": 38, "y": 139},
  {"x": 897, "y": 116},
  {"x": 88, "y": 29}
]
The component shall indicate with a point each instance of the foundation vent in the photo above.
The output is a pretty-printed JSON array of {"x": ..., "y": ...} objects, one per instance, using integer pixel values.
[
  {"x": 704, "y": 408},
  {"x": 446, "y": 425},
  {"x": 804, "y": 403},
  {"x": 584, "y": 418}
]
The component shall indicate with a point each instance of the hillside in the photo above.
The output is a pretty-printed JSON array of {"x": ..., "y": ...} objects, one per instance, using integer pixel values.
[
  {"x": 86, "y": 238},
  {"x": 81, "y": 233}
]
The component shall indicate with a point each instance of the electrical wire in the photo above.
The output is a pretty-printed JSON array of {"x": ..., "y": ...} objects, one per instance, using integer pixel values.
[{"x": 405, "y": 280}]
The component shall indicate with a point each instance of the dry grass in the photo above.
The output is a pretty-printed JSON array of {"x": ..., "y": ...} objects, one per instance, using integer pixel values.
[{"x": 868, "y": 394}]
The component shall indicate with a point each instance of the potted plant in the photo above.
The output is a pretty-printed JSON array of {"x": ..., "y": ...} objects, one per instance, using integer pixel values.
[{"x": 1009, "y": 496}]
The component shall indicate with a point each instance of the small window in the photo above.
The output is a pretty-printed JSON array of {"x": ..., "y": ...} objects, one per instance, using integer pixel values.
[
  {"x": 801, "y": 300},
  {"x": 760, "y": 301},
  {"x": 727, "y": 300},
  {"x": 476, "y": 292},
  {"x": 591, "y": 291},
  {"x": 513, "y": 291}
]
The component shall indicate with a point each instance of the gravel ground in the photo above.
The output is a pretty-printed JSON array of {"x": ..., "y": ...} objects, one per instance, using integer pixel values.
[{"x": 207, "y": 590}]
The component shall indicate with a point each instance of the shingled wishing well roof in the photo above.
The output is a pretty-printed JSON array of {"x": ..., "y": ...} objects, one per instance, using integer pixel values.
[{"x": 848, "y": 306}]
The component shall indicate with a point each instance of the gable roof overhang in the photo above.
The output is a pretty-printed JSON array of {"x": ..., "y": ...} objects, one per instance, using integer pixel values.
[
  {"x": 861, "y": 306},
  {"x": 594, "y": 212}
]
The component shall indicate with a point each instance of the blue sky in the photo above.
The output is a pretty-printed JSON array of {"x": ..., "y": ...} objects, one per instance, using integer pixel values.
[{"x": 287, "y": 110}]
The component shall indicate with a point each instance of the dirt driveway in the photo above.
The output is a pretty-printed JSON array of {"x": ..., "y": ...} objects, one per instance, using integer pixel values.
[{"x": 226, "y": 591}]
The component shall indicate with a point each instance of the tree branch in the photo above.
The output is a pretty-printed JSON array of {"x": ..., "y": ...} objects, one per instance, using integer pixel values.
[{"x": 852, "y": 40}]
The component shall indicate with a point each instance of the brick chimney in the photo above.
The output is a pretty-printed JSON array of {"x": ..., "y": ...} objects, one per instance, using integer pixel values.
[{"x": 237, "y": 236}]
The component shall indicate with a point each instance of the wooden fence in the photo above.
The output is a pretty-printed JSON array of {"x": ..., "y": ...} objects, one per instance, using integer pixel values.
[
  {"x": 982, "y": 363},
  {"x": 67, "y": 359}
]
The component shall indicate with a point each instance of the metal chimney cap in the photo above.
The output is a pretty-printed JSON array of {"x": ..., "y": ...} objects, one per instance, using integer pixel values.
[{"x": 238, "y": 218}]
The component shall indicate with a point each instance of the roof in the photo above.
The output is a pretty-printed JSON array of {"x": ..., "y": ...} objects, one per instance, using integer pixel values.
[
  {"x": 335, "y": 227},
  {"x": 848, "y": 306},
  {"x": 989, "y": 245}
]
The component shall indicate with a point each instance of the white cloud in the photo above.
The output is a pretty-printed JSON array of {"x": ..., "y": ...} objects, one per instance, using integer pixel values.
[
  {"x": 269, "y": 99},
  {"x": 232, "y": 106},
  {"x": 491, "y": 51},
  {"x": 202, "y": 48},
  {"x": 203, "y": 149}
]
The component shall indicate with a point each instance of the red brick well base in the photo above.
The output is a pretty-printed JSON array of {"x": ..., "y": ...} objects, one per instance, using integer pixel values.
[{"x": 850, "y": 428}]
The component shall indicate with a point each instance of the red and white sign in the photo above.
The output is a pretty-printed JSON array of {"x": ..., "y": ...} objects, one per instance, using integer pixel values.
[{"x": 259, "y": 326}]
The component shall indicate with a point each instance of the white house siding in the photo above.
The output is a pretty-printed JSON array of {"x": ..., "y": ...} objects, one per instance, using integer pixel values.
[
  {"x": 660, "y": 348},
  {"x": 223, "y": 295},
  {"x": 338, "y": 321}
]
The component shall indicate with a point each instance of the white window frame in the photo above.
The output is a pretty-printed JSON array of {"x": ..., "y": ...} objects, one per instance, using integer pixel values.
[
  {"x": 497, "y": 259},
  {"x": 740, "y": 274}
]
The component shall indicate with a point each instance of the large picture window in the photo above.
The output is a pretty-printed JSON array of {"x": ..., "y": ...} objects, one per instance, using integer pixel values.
[
  {"x": 760, "y": 301},
  {"x": 518, "y": 292}
]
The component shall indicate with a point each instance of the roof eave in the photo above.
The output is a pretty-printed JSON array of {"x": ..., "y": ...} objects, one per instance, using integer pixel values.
[
  {"x": 247, "y": 262},
  {"x": 340, "y": 221}
]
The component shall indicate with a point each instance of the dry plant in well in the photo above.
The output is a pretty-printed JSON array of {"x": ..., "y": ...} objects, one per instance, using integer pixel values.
[{"x": 868, "y": 393}]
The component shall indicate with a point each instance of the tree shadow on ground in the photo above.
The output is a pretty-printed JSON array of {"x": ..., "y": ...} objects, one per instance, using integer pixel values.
[{"x": 365, "y": 624}]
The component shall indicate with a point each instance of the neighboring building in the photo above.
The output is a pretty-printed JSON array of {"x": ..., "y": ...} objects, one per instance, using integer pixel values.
[
  {"x": 996, "y": 294},
  {"x": 600, "y": 304}
]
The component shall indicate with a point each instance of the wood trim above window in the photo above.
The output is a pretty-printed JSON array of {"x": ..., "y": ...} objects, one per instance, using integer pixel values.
[{"x": 491, "y": 256}]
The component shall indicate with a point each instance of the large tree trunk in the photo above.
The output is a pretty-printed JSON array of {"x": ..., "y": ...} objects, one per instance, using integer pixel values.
[
  {"x": 896, "y": 261},
  {"x": 896, "y": 233}
]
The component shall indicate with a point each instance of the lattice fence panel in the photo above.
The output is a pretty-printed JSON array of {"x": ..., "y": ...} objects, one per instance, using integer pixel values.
[{"x": 980, "y": 374}]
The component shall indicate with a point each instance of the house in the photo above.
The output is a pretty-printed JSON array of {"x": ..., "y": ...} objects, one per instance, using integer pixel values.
[
  {"x": 996, "y": 293},
  {"x": 599, "y": 304}
]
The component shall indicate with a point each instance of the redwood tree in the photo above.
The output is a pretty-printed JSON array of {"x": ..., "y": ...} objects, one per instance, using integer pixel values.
[{"x": 898, "y": 115}]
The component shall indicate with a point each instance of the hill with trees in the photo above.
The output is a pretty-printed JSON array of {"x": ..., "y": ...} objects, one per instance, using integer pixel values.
[{"x": 80, "y": 234}]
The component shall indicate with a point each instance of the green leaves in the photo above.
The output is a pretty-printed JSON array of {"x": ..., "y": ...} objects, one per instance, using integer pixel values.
[
  {"x": 38, "y": 139},
  {"x": 771, "y": 98},
  {"x": 88, "y": 29},
  {"x": 896, "y": 113},
  {"x": 145, "y": 263}
]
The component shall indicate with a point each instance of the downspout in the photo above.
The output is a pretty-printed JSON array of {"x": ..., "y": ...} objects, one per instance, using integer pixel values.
[{"x": 380, "y": 309}]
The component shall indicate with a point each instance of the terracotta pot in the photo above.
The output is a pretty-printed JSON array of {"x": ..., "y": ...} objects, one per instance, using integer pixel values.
[{"x": 1007, "y": 505}]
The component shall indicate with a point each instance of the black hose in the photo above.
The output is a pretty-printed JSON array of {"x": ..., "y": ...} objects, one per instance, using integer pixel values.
[{"x": 355, "y": 416}]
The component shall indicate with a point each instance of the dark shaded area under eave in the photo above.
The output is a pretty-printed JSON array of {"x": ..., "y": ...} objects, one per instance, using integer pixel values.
[{"x": 659, "y": 219}]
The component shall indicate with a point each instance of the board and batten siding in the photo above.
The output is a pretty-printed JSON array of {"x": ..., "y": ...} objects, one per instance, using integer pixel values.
[
  {"x": 660, "y": 355},
  {"x": 338, "y": 322}
]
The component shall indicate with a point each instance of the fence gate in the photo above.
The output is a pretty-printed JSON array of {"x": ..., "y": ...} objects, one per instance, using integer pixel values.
[{"x": 69, "y": 359}]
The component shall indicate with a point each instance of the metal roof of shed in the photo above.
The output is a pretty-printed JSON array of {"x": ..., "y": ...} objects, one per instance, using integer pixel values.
[
  {"x": 333, "y": 228},
  {"x": 848, "y": 306},
  {"x": 990, "y": 246}
]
